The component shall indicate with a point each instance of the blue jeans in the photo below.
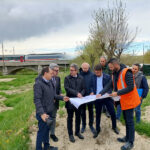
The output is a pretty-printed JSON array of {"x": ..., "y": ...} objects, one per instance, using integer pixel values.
[
  {"x": 138, "y": 113},
  {"x": 42, "y": 134},
  {"x": 118, "y": 113}
]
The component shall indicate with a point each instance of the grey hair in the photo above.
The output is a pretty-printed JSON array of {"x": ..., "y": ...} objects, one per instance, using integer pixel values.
[
  {"x": 85, "y": 63},
  {"x": 75, "y": 66},
  {"x": 53, "y": 65},
  {"x": 103, "y": 57}
]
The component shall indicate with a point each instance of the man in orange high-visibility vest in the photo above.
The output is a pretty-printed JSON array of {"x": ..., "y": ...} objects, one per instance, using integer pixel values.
[{"x": 123, "y": 85}]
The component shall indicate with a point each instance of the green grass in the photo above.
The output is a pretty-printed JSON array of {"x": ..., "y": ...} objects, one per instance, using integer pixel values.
[
  {"x": 13, "y": 100},
  {"x": 14, "y": 123},
  {"x": 146, "y": 102},
  {"x": 61, "y": 113},
  {"x": 143, "y": 127},
  {"x": 19, "y": 81}
]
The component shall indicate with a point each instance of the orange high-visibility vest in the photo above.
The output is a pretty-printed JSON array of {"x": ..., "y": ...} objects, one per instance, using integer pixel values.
[{"x": 131, "y": 99}]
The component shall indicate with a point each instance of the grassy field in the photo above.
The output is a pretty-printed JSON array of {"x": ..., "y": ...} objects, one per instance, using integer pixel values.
[
  {"x": 144, "y": 127},
  {"x": 14, "y": 124}
]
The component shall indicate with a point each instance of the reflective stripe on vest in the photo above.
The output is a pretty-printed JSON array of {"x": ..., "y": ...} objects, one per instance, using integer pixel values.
[{"x": 122, "y": 83}]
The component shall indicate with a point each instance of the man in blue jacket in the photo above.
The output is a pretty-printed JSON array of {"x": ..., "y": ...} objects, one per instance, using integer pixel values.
[
  {"x": 99, "y": 81},
  {"x": 86, "y": 73},
  {"x": 142, "y": 87},
  {"x": 44, "y": 95}
]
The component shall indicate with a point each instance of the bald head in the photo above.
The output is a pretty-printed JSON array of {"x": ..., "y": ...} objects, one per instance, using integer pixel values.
[{"x": 85, "y": 67}]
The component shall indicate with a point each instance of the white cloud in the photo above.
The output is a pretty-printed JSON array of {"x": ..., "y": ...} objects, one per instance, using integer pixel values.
[{"x": 59, "y": 24}]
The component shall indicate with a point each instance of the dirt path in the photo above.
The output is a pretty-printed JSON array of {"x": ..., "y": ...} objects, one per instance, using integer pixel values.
[
  {"x": 149, "y": 82},
  {"x": 7, "y": 79},
  {"x": 105, "y": 141},
  {"x": 20, "y": 89},
  {"x": 146, "y": 114},
  {"x": 4, "y": 108}
]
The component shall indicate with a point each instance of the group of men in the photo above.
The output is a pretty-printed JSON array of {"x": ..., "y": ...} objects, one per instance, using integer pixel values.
[{"x": 113, "y": 78}]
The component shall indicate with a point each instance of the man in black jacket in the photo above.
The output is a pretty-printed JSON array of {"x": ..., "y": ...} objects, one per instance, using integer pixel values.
[
  {"x": 74, "y": 86},
  {"x": 44, "y": 95},
  {"x": 86, "y": 73},
  {"x": 57, "y": 83},
  {"x": 117, "y": 70}
]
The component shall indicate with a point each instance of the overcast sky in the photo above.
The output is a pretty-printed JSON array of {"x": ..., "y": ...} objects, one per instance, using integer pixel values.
[{"x": 36, "y": 25}]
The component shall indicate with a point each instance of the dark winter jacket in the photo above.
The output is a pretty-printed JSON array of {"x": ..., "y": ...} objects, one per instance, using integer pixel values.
[
  {"x": 128, "y": 79},
  {"x": 44, "y": 95},
  {"x": 73, "y": 86},
  {"x": 141, "y": 83},
  {"x": 106, "y": 69},
  {"x": 87, "y": 80}
]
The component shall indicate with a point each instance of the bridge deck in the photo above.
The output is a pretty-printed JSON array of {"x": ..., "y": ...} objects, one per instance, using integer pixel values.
[{"x": 35, "y": 63}]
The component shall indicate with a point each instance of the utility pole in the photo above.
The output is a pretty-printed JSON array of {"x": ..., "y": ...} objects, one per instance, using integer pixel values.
[
  {"x": 3, "y": 57},
  {"x": 133, "y": 52},
  {"x": 143, "y": 53},
  {"x": 13, "y": 50}
]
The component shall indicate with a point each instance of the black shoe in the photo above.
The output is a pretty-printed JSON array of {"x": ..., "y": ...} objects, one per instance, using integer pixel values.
[
  {"x": 116, "y": 130},
  {"x": 127, "y": 146},
  {"x": 92, "y": 129},
  {"x": 79, "y": 136},
  {"x": 82, "y": 129},
  {"x": 122, "y": 140},
  {"x": 54, "y": 138},
  {"x": 71, "y": 138},
  {"x": 96, "y": 134},
  {"x": 51, "y": 148}
]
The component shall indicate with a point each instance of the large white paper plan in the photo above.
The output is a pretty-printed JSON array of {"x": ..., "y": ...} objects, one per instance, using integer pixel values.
[{"x": 79, "y": 101}]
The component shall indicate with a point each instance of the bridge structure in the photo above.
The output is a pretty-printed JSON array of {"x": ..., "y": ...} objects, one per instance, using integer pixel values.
[{"x": 11, "y": 67}]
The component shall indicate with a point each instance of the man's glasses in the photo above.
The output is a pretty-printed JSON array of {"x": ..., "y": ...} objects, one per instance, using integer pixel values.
[
  {"x": 72, "y": 70},
  {"x": 56, "y": 70}
]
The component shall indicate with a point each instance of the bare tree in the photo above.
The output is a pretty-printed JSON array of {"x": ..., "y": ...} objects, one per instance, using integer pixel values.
[
  {"x": 111, "y": 30},
  {"x": 90, "y": 51}
]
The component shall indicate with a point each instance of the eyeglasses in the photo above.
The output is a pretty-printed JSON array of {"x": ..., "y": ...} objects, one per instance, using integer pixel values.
[
  {"x": 56, "y": 70},
  {"x": 72, "y": 70}
]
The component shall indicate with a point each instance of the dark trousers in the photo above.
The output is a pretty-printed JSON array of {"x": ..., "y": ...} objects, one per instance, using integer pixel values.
[
  {"x": 54, "y": 114},
  {"x": 110, "y": 107},
  {"x": 129, "y": 122},
  {"x": 42, "y": 134},
  {"x": 83, "y": 114},
  {"x": 70, "y": 113}
]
